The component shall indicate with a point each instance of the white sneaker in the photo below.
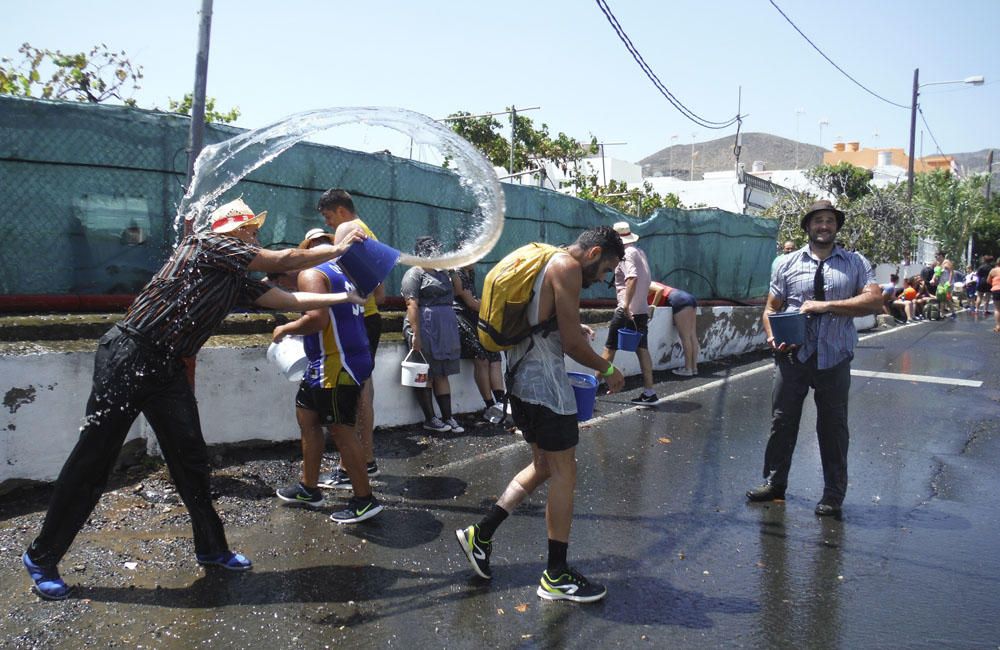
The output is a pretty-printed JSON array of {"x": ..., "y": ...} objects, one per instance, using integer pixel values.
[
  {"x": 684, "y": 372},
  {"x": 455, "y": 426},
  {"x": 435, "y": 424}
]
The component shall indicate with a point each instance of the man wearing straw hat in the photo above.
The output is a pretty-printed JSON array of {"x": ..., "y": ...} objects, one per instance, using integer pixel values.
[
  {"x": 138, "y": 368},
  {"x": 339, "y": 213},
  {"x": 632, "y": 279},
  {"x": 831, "y": 286}
]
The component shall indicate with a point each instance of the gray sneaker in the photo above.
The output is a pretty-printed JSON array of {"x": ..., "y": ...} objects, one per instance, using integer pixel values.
[{"x": 435, "y": 424}]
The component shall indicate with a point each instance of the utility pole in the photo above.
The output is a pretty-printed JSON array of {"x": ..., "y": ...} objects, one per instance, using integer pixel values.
[
  {"x": 913, "y": 133},
  {"x": 196, "y": 138},
  {"x": 513, "y": 130},
  {"x": 691, "y": 177}
]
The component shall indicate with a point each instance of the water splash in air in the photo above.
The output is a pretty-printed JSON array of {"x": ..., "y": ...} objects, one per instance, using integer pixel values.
[{"x": 222, "y": 166}]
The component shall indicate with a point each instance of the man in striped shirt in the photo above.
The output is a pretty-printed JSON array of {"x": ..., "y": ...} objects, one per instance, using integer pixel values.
[
  {"x": 831, "y": 286},
  {"x": 138, "y": 368}
]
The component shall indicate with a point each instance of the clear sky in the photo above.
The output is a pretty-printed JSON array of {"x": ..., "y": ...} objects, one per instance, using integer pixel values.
[{"x": 276, "y": 58}]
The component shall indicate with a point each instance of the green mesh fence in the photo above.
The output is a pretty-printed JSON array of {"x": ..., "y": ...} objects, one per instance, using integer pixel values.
[{"x": 88, "y": 197}]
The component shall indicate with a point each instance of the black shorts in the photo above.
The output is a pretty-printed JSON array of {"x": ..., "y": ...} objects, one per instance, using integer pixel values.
[
  {"x": 334, "y": 405},
  {"x": 373, "y": 327},
  {"x": 620, "y": 321},
  {"x": 543, "y": 427}
]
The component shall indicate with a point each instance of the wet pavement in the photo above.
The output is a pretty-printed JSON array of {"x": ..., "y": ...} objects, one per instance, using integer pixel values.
[{"x": 660, "y": 519}]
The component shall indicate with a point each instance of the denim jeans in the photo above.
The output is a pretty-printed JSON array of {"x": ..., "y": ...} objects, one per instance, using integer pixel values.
[
  {"x": 792, "y": 381},
  {"x": 131, "y": 378}
]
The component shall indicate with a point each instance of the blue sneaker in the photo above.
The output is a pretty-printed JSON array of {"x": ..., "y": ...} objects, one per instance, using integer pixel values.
[
  {"x": 227, "y": 560},
  {"x": 48, "y": 584}
]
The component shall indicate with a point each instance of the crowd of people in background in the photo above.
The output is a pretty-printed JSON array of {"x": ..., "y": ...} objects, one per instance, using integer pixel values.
[{"x": 940, "y": 291}]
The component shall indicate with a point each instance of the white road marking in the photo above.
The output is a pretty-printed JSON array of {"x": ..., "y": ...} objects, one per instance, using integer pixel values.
[
  {"x": 768, "y": 365},
  {"x": 927, "y": 379}
]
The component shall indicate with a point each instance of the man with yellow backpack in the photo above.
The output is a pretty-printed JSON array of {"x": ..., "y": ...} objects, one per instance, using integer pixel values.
[{"x": 531, "y": 308}]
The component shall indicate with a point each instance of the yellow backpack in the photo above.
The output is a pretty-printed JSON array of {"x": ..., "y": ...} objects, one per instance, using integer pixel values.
[{"x": 507, "y": 291}]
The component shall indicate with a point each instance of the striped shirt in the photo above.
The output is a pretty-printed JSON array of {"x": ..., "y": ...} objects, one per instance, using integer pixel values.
[
  {"x": 192, "y": 294},
  {"x": 339, "y": 354},
  {"x": 830, "y": 336}
]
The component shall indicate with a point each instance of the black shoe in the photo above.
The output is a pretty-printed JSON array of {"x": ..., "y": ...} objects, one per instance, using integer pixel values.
[
  {"x": 299, "y": 494},
  {"x": 476, "y": 550},
  {"x": 827, "y": 508},
  {"x": 358, "y": 509},
  {"x": 570, "y": 585},
  {"x": 642, "y": 398},
  {"x": 767, "y": 492}
]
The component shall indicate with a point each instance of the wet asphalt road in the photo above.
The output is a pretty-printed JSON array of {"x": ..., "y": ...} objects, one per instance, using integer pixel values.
[{"x": 660, "y": 519}]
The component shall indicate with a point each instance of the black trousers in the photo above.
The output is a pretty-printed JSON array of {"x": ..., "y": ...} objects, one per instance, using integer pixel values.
[
  {"x": 131, "y": 378},
  {"x": 792, "y": 381}
]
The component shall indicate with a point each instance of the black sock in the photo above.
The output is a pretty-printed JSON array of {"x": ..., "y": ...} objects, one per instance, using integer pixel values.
[
  {"x": 488, "y": 526},
  {"x": 499, "y": 396},
  {"x": 557, "y": 557},
  {"x": 489, "y": 402},
  {"x": 426, "y": 405},
  {"x": 444, "y": 403}
]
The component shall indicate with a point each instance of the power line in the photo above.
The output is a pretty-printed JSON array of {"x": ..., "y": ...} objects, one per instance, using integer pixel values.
[
  {"x": 842, "y": 71},
  {"x": 684, "y": 110},
  {"x": 920, "y": 109}
]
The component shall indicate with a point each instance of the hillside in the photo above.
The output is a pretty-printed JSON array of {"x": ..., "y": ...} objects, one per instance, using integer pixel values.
[
  {"x": 717, "y": 155},
  {"x": 775, "y": 152}
]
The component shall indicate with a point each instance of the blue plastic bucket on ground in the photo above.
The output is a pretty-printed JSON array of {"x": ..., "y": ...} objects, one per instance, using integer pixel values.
[
  {"x": 628, "y": 340},
  {"x": 368, "y": 263},
  {"x": 788, "y": 327},
  {"x": 585, "y": 390}
]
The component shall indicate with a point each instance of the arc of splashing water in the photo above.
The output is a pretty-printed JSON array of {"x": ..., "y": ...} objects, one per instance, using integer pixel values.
[{"x": 221, "y": 166}]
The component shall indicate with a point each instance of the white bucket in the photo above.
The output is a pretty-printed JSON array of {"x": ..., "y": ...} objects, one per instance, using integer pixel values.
[
  {"x": 414, "y": 373},
  {"x": 290, "y": 357}
]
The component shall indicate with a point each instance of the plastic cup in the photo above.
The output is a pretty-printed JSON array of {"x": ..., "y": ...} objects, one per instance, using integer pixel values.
[
  {"x": 368, "y": 263},
  {"x": 788, "y": 327},
  {"x": 585, "y": 390},
  {"x": 628, "y": 340}
]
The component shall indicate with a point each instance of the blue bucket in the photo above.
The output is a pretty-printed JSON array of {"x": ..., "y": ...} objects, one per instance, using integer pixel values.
[
  {"x": 585, "y": 390},
  {"x": 628, "y": 340},
  {"x": 788, "y": 327},
  {"x": 368, "y": 263}
]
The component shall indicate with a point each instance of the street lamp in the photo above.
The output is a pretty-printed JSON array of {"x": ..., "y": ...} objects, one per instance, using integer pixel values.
[
  {"x": 822, "y": 122},
  {"x": 976, "y": 80}
]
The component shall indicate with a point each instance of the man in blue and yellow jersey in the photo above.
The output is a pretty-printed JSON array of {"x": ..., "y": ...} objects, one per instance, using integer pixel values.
[
  {"x": 339, "y": 364},
  {"x": 337, "y": 208}
]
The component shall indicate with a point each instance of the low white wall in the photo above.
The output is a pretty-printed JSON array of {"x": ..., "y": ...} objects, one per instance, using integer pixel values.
[{"x": 242, "y": 397}]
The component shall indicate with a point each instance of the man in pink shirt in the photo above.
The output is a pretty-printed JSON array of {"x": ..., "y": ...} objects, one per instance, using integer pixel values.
[{"x": 632, "y": 278}]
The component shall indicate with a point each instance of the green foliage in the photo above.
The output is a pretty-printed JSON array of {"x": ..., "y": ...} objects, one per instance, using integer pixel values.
[
  {"x": 949, "y": 209},
  {"x": 636, "y": 202},
  {"x": 843, "y": 180},
  {"x": 95, "y": 76},
  {"x": 530, "y": 144},
  {"x": 211, "y": 115}
]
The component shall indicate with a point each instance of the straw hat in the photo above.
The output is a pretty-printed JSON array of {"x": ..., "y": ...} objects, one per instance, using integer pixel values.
[
  {"x": 233, "y": 215},
  {"x": 625, "y": 232},
  {"x": 314, "y": 234}
]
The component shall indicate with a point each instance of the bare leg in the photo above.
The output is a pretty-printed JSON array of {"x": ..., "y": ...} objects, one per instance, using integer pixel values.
[
  {"x": 684, "y": 321},
  {"x": 562, "y": 483},
  {"x": 646, "y": 366},
  {"x": 481, "y": 373},
  {"x": 312, "y": 445},
  {"x": 496, "y": 376},
  {"x": 351, "y": 457},
  {"x": 366, "y": 421}
]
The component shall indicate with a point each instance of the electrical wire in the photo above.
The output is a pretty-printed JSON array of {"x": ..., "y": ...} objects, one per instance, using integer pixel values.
[
  {"x": 842, "y": 71},
  {"x": 684, "y": 110},
  {"x": 923, "y": 119}
]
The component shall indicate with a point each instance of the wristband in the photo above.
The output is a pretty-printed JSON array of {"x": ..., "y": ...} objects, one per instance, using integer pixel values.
[{"x": 610, "y": 371}]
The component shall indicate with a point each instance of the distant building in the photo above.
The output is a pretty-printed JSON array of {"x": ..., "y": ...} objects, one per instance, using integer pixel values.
[{"x": 852, "y": 152}]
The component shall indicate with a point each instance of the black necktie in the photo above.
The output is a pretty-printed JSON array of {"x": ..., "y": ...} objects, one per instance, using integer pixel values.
[{"x": 819, "y": 285}]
